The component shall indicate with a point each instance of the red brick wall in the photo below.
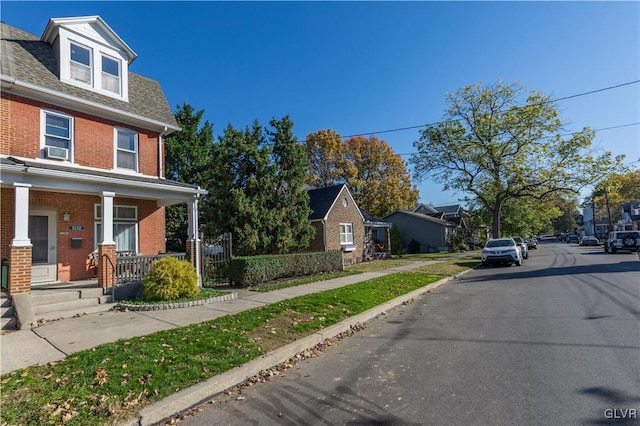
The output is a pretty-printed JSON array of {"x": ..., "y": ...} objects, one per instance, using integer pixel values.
[
  {"x": 74, "y": 263},
  {"x": 94, "y": 137},
  {"x": 20, "y": 270}
]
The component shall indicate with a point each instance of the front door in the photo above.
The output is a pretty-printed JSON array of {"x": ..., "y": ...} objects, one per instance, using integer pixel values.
[{"x": 42, "y": 232}]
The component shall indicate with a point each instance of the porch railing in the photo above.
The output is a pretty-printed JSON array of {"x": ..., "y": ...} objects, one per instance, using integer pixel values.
[{"x": 135, "y": 268}]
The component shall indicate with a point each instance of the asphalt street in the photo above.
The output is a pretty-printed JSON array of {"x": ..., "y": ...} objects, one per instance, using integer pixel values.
[{"x": 553, "y": 342}]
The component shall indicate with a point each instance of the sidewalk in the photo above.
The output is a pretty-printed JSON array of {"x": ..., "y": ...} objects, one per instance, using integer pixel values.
[{"x": 56, "y": 340}]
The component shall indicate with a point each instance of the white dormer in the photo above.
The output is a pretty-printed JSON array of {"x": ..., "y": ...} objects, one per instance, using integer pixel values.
[{"x": 91, "y": 55}]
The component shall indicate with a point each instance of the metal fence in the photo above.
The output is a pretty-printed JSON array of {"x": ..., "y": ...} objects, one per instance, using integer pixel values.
[
  {"x": 130, "y": 268},
  {"x": 216, "y": 260}
]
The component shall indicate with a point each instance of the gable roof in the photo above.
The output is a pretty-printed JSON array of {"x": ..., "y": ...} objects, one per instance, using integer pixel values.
[
  {"x": 322, "y": 200},
  {"x": 51, "y": 32},
  {"x": 29, "y": 68},
  {"x": 421, "y": 216}
]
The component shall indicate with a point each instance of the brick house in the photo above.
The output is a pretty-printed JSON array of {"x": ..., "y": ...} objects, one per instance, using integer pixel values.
[
  {"x": 81, "y": 151},
  {"x": 338, "y": 222}
]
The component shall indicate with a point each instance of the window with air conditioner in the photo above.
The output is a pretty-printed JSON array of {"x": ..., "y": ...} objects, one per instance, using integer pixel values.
[{"x": 56, "y": 135}]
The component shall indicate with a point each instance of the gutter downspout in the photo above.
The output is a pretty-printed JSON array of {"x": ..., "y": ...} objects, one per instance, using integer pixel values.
[{"x": 161, "y": 153}]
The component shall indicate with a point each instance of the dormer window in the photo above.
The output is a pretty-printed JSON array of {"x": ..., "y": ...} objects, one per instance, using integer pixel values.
[
  {"x": 105, "y": 77},
  {"x": 80, "y": 66},
  {"x": 110, "y": 74},
  {"x": 91, "y": 55}
]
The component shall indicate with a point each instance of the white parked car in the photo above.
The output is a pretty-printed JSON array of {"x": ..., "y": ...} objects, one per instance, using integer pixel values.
[
  {"x": 622, "y": 240},
  {"x": 501, "y": 250},
  {"x": 524, "y": 248}
]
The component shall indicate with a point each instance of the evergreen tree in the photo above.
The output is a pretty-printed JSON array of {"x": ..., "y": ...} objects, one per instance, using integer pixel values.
[
  {"x": 187, "y": 159},
  {"x": 291, "y": 228}
]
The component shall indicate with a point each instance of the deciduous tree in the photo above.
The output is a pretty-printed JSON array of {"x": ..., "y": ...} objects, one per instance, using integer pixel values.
[
  {"x": 376, "y": 176},
  {"x": 496, "y": 148}
]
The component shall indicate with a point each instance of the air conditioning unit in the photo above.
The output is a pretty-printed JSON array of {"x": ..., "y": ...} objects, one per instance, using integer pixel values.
[{"x": 57, "y": 153}]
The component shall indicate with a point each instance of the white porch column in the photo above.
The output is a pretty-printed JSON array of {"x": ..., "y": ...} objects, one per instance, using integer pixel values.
[
  {"x": 21, "y": 220},
  {"x": 107, "y": 217},
  {"x": 193, "y": 236}
]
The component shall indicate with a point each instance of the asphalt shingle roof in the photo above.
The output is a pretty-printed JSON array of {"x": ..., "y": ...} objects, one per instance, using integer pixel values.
[
  {"x": 321, "y": 200},
  {"x": 26, "y": 58}
]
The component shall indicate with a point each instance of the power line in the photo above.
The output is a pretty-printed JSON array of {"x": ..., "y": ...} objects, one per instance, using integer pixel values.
[
  {"x": 569, "y": 134},
  {"x": 399, "y": 129}
]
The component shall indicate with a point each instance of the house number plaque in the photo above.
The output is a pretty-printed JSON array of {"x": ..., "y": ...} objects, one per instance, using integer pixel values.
[{"x": 76, "y": 228}]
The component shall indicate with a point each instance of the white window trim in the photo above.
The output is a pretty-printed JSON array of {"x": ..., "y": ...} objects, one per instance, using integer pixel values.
[
  {"x": 97, "y": 51},
  {"x": 116, "y": 149},
  {"x": 43, "y": 130},
  {"x": 346, "y": 234},
  {"x": 97, "y": 220}
]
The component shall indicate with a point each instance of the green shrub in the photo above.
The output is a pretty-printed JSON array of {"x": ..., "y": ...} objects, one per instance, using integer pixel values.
[
  {"x": 253, "y": 270},
  {"x": 170, "y": 279},
  {"x": 397, "y": 243},
  {"x": 457, "y": 242},
  {"x": 414, "y": 246}
]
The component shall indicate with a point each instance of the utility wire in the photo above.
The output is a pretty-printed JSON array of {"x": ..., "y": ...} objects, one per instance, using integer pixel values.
[
  {"x": 569, "y": 134},
  {"x": 399, "y": 129}
]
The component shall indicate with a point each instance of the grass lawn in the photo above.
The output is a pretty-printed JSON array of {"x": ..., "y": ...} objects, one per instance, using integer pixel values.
[{"x": 112, "y": 382}]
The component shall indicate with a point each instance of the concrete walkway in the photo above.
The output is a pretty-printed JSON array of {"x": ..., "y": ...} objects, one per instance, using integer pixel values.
[{"x": 56, "y": 340}]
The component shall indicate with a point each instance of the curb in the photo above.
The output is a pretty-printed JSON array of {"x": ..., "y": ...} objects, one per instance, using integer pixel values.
[{"x": 200, "y": 393}]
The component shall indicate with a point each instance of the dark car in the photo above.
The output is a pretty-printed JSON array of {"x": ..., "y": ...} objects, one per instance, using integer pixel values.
[
  {"x": 532, "y": 243},
  {"x": 589, "y": 240},
  {"x": 573, "y": 238}
]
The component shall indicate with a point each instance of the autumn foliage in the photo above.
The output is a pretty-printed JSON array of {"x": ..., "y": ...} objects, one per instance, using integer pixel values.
[{"x": 376, "y": 176}]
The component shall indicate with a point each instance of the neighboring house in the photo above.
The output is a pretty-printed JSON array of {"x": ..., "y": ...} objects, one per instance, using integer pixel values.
[
  {"x": 338, "y": 222},
  {"x": 81, "y": 151},
  {"x": 453, "y": 213},
  {"x": 630, "y": 216},
  {"x": 430, "y": 232}
]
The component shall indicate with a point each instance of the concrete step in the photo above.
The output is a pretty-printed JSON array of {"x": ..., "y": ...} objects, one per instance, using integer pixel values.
[
  {"x": 8, "y": 323},
  {"x": 69, "y": 305},
  {"x": 48, "y": 298},
  {"x": 70, "y": 313},
  {"x": 7, "y": 313}
]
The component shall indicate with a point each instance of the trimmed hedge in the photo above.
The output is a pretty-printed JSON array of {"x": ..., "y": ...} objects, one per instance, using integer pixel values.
[{"x": 254, "y": 270}]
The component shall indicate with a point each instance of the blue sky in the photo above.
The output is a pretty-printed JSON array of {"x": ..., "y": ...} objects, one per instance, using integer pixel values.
[{"x": 360, "y": 67}]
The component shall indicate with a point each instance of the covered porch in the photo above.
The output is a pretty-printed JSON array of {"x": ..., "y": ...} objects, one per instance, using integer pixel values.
[{"x": 68, "y": 224}]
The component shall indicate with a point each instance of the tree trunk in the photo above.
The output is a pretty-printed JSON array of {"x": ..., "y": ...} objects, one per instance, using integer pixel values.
[{"x": 495, "y": 225}]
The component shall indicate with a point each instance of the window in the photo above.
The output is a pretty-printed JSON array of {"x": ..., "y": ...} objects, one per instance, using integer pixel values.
[
  {"x": 80, "y": 64},
  {"x": 125, "y": 227},
  {"x": 126, "y": 149},
  {"x": 346, "y": 233},
  {"x": 56, "y": 135},
  {"x": 110, "y": 74},
  {"x": 94, "y": 67}
]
